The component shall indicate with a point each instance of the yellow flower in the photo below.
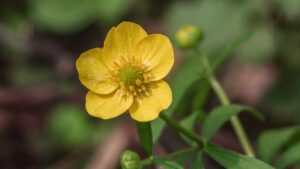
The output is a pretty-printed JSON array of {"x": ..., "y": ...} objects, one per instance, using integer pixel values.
[{"x": 126, "y": 74}]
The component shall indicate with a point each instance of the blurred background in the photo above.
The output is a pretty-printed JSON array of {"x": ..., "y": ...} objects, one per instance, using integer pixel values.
[{"x": 43, "y": 123}]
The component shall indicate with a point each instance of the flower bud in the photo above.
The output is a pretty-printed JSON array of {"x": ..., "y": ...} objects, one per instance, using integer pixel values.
[
  {"x": 130, "y": 160},
  {"x": 188, "y": 36}
]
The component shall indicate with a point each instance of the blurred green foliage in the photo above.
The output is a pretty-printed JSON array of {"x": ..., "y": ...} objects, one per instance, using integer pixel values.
[
  {"x": 65, "y": 16},
  {"x": 290, "y": 8},
  {"x": 280, "y": 146},
  {"x": 275, "y": 26},
  {"x": 69, "y": 126},
  {"x": 221, "y": 21}
]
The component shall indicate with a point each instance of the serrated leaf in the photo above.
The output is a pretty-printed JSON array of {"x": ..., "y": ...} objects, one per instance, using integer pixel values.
[
  {"x": 220, "y": 115},
  {"x": 187, "y": 74},
  {"x": 270, "y": 142},
  {"x": 289, "y": 157},
  {"x": 233, "y": 160},
  {"x": 145, "y": 136},
  {"x": 197, "y": 162}
]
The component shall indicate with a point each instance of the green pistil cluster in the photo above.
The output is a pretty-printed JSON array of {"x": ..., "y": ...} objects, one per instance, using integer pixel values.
[{"x": 129, "y": 74}]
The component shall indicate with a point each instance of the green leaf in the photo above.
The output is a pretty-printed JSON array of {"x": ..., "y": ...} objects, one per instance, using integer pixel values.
[
  {"x": 233, "y": 160},
  {"x": 270, "y": 142},
  {"x": 181, "y": 159},
  {"x": 220, "y": 115},
  {"x": 289, "y": 157},
  {"x": 187, "y": 74},
  {"x": 189, "y": 123},
  {"x": 145, "y": 135},
  {"x": 166, "y": 164},
  {"x": 225, "y": 53},
  {"x": 197, "y": 162}
]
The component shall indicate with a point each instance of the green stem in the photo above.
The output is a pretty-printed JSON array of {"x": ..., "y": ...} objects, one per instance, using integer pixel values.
[
  {"x": 178, "y": 153},
  {"x": 151, "y": 159},
  {"x": 181, "y": 129},
  {"x": 235, "y": 122}
]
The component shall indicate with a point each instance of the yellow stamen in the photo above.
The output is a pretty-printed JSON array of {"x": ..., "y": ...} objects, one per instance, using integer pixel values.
[
  {"x": 131, "y": 88},
  {"x": 138, "y": 82}
]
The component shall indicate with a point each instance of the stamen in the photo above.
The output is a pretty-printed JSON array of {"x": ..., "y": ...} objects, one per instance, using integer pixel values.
[
  {"x": 138, "y": 82},
  {"x": 147, "y": 93},
  {"x": 143, "y": 87},
  {"x": 131, "y": 88},
  {"x": 132, "y": 76}
]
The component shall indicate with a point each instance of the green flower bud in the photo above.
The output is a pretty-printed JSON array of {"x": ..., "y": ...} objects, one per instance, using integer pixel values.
[
  {"x": 130, "y": 160},
  {"x": 188, "y": 36}
]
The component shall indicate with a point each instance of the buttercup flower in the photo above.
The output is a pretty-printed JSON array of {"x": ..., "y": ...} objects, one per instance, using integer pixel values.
[{"x": 126, "y": 74}]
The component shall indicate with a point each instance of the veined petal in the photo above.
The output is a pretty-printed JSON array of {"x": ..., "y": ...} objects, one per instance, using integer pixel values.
[
  {"x": 148, "y": 108},
  {"x": 121, "y": 40},
  {"x": 156, "y": 52},
  {"x": 107, "y": 106},
  {"x": 92, "y": 67}
]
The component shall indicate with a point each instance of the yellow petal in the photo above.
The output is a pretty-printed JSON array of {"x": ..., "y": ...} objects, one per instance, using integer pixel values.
[
  {"x": 92, "y": 67},
  {"x": 149, "y": 107},
  {"x": 107, "y": 106},
  {"x": 156, "y": 52},
  {"x": 121, "y": 40}
]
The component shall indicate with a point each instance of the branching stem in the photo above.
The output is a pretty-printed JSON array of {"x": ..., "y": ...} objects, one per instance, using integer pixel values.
[{"x": 174, "y": 124}]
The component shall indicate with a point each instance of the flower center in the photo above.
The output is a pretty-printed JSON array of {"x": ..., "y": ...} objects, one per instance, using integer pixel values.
[
  {"x": 130, "y": 74},
  {"x": 134, "y": 79}
]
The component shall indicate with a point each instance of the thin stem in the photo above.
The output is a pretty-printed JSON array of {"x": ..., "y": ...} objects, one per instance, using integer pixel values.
[
  {"x": 151, "y": 159},
  {"x": 235, "y": 122},
  {"x": 147, "y": 161},
  {"x": 242, "y": 136},
  {"x": 218, "y": 89},
  {"x": 239, "y": 130},
  {"x": 178, "y": 153},
  {"x": 181, "y": 129}
]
